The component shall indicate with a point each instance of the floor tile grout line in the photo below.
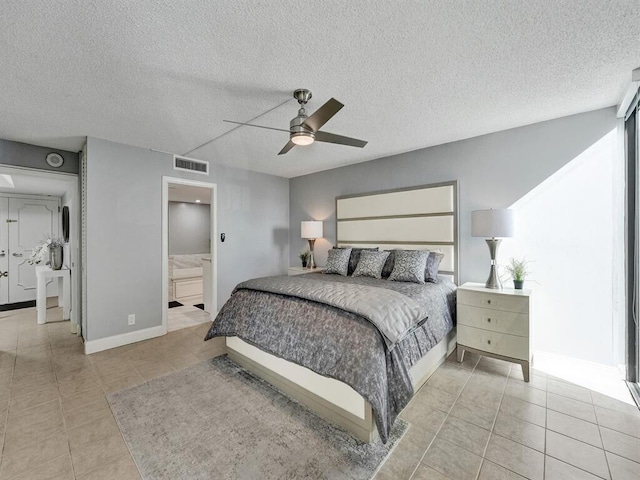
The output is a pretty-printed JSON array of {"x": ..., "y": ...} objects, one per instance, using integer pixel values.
[
  {"x": 36, "y": 406},
  {"x": 584, "y": 443},
  {"x": 606, "y": 458},
  {"x": 447, "y": 416},
  {"x": 574, "y": 466},
  {"x": 493, "y": 425}
]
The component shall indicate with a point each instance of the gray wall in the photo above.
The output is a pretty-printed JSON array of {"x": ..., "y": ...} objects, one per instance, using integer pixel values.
[
  {"x": 32, "y": 156},
  {"x": 493, "y": 171},
  {"x": 124, "y": 208},
  {"x": 189, "y": 228}
]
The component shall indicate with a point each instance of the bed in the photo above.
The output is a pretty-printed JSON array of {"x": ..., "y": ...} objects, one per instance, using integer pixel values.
[{"x": 354, "y": 349}]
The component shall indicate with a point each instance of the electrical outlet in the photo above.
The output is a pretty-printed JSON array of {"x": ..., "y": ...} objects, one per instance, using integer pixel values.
[{"x": 132, "y": 319}]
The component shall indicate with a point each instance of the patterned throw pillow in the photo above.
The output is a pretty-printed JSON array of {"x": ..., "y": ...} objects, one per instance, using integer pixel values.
[
  {"x": 433, "y": 265},
  {"x": 338, "y": 261},
  {"x": 370, "y": 264},
  {"x": 355, "y": 257},
  {"x": 409, "y": 266}
]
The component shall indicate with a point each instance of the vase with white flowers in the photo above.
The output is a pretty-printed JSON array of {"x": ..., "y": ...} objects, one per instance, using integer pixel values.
[{"x": 49, "y": 252}]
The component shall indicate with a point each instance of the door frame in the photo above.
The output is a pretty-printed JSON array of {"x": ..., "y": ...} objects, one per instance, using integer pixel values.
[
  {"x": 74, "y": 238},
  {"x": 213, "y": 248}
]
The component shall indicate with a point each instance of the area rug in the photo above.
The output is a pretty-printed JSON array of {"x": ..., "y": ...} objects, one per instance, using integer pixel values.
[{"x": 216, "y": 420}]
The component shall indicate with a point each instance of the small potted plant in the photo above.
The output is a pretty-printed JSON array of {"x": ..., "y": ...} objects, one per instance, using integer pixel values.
[
  {"x": 518, "y": 271},
  {"x": 304, "y": 257}
]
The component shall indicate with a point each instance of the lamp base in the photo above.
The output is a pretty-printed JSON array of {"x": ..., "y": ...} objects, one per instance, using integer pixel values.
[
  {"x": 493, "y": 281},
  {"x": 312, "y": 261}
]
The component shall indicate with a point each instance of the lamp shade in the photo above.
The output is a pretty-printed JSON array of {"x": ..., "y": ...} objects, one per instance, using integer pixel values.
[
  {"x": 311, "y": 229},
  {"x": 492, "y": 223}
]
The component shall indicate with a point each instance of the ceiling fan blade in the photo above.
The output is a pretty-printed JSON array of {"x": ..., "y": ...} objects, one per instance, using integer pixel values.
[
  {"x": 259, "y": 126},
  {"x": 323, "y": 114},
  {"x": 339, "y": 139},
  {"x": 287, "y": 147}
]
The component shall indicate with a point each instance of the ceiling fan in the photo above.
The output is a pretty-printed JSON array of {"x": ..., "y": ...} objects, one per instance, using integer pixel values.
[{"x": 304, "y": 129}]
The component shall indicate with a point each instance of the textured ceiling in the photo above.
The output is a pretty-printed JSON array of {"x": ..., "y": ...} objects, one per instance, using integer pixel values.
[{"x": 164, "y": 74}]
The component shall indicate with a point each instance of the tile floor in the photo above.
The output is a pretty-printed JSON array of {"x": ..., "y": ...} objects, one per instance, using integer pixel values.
[
  {"x": 480, "y": 420},
  {"x": 476, "y": 420},
  {"x": 55, "y": 422},
  {"x": 186, "y": 316}
]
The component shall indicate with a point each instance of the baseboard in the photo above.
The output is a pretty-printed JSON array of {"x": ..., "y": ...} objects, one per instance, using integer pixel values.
[
  {"x": 101, "y": 344},
  {"x": 16, "y": 306}
]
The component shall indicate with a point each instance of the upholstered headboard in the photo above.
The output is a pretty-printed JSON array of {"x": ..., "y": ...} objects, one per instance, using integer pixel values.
[{"x": 424, "y": 217}]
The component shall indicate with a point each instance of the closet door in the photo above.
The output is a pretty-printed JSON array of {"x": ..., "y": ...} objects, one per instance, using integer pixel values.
[
  {"x": 4, "y": 249},
  {"x": 30, "y": 222}
]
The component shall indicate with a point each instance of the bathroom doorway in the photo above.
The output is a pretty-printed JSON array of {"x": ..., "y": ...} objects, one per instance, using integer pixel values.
[{"x": 189, "y": 253}]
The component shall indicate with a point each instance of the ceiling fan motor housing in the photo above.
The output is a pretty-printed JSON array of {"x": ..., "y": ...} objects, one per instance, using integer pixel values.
[{"x": 296, "y": 125}]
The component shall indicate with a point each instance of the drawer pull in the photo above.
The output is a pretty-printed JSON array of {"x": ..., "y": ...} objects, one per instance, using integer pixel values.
[
  {"x": 488, "y": 342},
  {"x": 489, "y": 320},
  {"x": 489, "y": 301}
]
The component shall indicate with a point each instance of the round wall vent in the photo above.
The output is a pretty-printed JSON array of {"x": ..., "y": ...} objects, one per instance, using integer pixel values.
[{"x": 55, "y": 160}]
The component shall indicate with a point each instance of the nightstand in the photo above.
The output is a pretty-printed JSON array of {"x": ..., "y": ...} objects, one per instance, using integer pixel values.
[
  {"x": 303, "y": 270},
  {"x": 496, "y": 323}
]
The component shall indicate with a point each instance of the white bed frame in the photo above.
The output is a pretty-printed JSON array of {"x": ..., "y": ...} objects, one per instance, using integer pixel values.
[{"x": 422, "y": 217}]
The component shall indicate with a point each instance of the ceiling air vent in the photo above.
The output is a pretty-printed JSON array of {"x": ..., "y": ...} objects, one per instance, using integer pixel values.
[{"x": 190, "y": 165}]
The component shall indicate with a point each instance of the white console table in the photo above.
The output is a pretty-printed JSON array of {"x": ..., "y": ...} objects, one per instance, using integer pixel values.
[{"x": 43, "y": 273}]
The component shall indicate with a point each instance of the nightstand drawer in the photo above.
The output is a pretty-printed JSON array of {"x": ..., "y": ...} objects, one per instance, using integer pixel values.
[
  {"x": 496, "y": 301},
  {"x": 494, "y": 320},
  {"x": 494, "y": 342}
]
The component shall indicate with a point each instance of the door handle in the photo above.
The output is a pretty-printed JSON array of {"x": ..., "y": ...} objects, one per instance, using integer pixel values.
[
  {"x": 4, "y": 274},
  {"x": 16, "y": 254},
  {"x": 2, "y": 254}
]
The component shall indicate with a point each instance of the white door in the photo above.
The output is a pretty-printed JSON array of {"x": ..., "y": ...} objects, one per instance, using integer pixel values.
[
  {"x": 4, "y": 251},
  {"x": 30, "y": 222}
]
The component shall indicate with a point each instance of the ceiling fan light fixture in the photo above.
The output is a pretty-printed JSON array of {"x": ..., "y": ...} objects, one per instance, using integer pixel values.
[{"x": 303, "y": 138}]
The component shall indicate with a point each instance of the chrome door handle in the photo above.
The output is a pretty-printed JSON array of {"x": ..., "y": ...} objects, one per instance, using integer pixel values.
[{"x": 16, "y": 254}]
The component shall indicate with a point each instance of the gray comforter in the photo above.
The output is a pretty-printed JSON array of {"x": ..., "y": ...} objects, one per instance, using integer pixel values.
[{"x": 337, "y": 342}]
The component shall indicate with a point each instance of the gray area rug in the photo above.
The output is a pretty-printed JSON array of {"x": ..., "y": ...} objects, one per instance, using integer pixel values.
[{"x": 215, "y": 420}]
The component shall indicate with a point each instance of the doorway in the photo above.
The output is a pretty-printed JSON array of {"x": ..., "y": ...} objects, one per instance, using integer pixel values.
[
  {"x": 632, "y": 246},
  {"x": 189, "y": 260},
  {"x": 31, "y": 206}
]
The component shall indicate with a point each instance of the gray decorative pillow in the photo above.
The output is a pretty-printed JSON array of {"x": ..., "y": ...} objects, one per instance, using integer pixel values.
[
  {"x": 388, "y": 265},
  {"x": 370, "y": 264},
  {"x": 433, "y": 265},
  {"x": 409, "y": 266},
  {"x": 355, "y": 257},
  {"x": 338, "y": 261}
]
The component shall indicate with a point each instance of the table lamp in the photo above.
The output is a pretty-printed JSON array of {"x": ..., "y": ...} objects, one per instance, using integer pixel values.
[
  {"x": 492, "y": 224},
  {"x": 311, "y": 230}
]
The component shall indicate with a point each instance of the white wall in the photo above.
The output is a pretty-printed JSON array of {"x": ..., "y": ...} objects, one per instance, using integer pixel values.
[
  {"x": 124, "y": 209},
  {"x": 568, "y": 227},
  {"x": 189, "y": 228}
]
